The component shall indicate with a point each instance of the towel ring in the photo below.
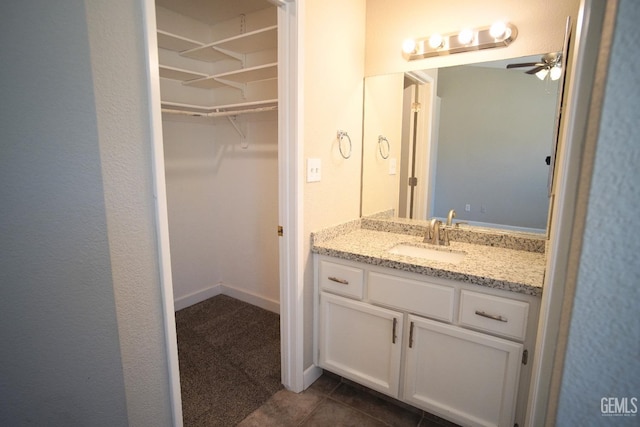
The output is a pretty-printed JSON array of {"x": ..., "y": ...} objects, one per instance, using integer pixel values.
[
  {"x": 341, "y": 135},
  {"x": 382, "y": 139}
]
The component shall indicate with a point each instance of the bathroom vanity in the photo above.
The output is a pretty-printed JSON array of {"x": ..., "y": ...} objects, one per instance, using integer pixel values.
[{"x": 452, "y": 336}]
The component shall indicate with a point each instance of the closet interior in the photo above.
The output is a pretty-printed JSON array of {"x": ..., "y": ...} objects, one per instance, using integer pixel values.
[{"x": 218, "y": 84}]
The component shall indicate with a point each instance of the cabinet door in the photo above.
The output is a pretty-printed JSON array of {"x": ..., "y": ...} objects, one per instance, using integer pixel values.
[
  {"x": 461, "y": 375},
  {"x": 360, "y": 342}
]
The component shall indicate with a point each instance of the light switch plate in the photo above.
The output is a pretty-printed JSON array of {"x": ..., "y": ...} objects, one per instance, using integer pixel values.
[
  {"x": 392, "y": 166},
  {"x": 314, "y": 168}
]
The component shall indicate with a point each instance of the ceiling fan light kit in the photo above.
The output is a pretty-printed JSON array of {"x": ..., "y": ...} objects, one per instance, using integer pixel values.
[
  {"x": 550, "y": 65},
  {"x": 500, "y": 34}
]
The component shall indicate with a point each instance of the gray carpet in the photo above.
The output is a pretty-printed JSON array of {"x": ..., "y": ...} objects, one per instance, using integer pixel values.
[{"x": 229, "y": 354}]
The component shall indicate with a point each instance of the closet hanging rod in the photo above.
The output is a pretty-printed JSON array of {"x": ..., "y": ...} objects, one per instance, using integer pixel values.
[{"x": 219, "y": 113}]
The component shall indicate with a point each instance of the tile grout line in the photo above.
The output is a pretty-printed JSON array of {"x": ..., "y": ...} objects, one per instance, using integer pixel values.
[{"x": 324, "y": 399}]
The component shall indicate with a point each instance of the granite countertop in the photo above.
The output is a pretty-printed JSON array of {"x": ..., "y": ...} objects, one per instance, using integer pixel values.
[{"x": 485, "y": 265}]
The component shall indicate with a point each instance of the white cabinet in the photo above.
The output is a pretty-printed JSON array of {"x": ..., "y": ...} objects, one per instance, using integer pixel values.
[
  {"x": 453, "y": 349},
  {"x": 361, "y": 342},
  {"x": 428, "y": 299},
  {"x": 465, "y": 376}
]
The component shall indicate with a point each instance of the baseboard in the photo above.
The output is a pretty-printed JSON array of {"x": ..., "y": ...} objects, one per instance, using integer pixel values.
[
  {"x": 311, "y": 374},
  {"x": 229, "y": 290},
  {"x": 250, "y": 298},
  {"x": 198, "y": 296}
]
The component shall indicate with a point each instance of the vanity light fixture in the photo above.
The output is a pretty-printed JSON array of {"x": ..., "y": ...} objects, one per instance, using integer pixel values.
[
  {"x": 435, "y": 41},
  {"x": 465, "y": 36},
  {"x": 500, "y": 34}
]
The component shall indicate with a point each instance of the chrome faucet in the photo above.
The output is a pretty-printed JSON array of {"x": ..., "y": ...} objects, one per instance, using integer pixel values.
[
  {"x": 452, "y": 214},
  {"x": 432, "y": 235},
  {"x": 437, "y": 234}
]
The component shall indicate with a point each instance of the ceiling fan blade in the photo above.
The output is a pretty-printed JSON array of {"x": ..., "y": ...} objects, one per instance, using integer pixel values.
[
  {"x": 535, "y": 70},
  {"x": 525, "y": 64}
]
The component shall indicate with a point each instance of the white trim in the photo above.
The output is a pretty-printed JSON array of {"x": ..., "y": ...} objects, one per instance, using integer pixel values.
[
  {"x": 311, "y": 374},
  {"x": 425, "y": 150},
  {"x": 290, "y": 196},
  {"x": 570, "y": 154},
  {"x": 229, "y": 290},
  {"x": 198, "y": 296},
  {"x": 249, "y": 297},
  {"x": 162, "y": 220}
]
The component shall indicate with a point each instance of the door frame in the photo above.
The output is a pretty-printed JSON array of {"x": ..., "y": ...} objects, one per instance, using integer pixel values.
[
  {"x": 290, "y": 157},
  {"x": 161, "y": 217},
  {"x": 574, "y": 165},
  {"x": 289, "y": 199}
]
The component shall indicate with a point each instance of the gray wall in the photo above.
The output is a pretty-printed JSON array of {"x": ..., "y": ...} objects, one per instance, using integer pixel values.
[
  {"x": 496, "y": 128},
  {"x": 81, "y": 324},
  {"x": 602, "y": 358}
]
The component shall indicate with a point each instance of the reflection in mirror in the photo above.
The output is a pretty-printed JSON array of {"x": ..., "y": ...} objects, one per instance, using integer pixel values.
[{"x": 473, "y": 138}]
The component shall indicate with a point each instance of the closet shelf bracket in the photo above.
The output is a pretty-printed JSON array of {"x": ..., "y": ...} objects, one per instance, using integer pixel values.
[
  {"x": 243, "y": 137},
  {"x": 235, "y": 55},
  {"x": 278, "y": 2},
  {"x": 236, "y": 85}
]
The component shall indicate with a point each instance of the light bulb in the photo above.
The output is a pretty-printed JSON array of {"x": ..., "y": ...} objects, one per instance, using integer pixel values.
[
  {"x": 465, "y": 36},
  {"x": 435, "y": 41},
  {"x": 409, "y": 46},
  {"x": 498, "y": 29},
  {"x": 542, "y": 73},
  {"x": 555, "y": 73}
]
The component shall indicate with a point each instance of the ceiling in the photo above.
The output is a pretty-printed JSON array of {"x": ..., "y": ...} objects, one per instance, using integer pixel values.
[
  {"x": 213, "y": 11},
  {"x": 503, "y": 63}
]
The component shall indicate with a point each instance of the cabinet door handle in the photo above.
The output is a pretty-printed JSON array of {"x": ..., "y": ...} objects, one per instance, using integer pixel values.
[
  {"x": 411, "y": 335},
  {"x": 491, "y": 316},
  {"x": 393, "y": 333},
  {"x": 341, "y": 281}
]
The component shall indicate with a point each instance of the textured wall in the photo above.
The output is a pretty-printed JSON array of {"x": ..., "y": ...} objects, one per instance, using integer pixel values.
[
  {"x": 80, "y": 306},
  {"x": 604, "y": 338},
  {"x": 60, "y": 353},
  {"x": 119, "y": 69},
  {"x": 223, "y": 204},
  {"x": 333, "y": 79}
]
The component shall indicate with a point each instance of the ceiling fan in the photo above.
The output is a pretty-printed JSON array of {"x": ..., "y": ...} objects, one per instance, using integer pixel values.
[{"x": 549, "y": 64}]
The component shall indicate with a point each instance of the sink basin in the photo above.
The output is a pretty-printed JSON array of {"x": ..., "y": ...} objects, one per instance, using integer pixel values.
[{"x": 431, "y": 254}]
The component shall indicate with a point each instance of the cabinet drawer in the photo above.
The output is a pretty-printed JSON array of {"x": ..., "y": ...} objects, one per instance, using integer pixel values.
[
  {"x": 341, "y": 279},
  {"x": 432, "y": 300},
  {"x": 494, "y": 314}
]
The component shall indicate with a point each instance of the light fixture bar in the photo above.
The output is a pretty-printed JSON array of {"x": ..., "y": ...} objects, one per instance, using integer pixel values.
[{"x": 463, "y": 41}]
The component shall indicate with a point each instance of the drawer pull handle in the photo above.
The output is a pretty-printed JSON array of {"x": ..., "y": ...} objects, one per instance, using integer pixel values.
[
  {"x": 491, "y": 316},
  {"x": 341, "y": 281},
  {"x": 411, "y": 336},
  {"x": 393, "y": 333}
]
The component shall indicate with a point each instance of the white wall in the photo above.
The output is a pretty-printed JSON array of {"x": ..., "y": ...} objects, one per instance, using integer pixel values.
[
  {"x": 222, "y": 198},
  {"x": 383, "y": 106},
  {"x": 496, "y": 128},
  {"x": 333, "y": 71},
  {"x": 223, "y": 206},
  {"x": 601, "y": 360},
  {"x": 81, "y": 313},
  {"x": 540, "y": 24}
]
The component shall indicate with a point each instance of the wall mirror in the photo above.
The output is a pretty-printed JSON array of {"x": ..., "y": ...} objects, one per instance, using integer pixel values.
[{"x": 474, "y": 138}]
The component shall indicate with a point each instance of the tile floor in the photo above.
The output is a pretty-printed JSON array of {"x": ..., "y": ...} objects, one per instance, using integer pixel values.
[{"x": 333, "y": 402}]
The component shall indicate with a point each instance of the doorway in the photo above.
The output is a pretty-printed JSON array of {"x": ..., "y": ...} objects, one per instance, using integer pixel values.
[{"x": 288, "y": 215}]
